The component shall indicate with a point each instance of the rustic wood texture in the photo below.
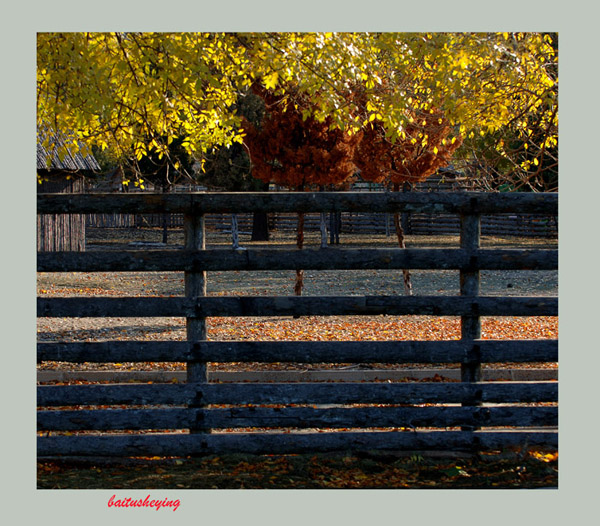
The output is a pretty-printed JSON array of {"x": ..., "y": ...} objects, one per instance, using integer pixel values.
[
  {"x": 470, "y": 233},
  {"x": 195, "y": 288},
  {"x": 184, "y": 445},
  {"x": 298, "y": 393},
  {"x": 232, "y": 202},
  {"x": 296, "y": 306},
  {"x": 295, "y": 417},
  {"x": 59, "y": 232},
  {"x": 309, "y": 259},
  {"x": 451, "y": 351},
  {"x": 190, "y": 405},
  {"x": 470, "y": 325}
]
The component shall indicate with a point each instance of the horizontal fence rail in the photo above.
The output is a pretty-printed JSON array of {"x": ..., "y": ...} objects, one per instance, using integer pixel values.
[
  {"x": 485, "y": 351},
  {"x": 298, "y": 393},
  {"x": 266, "y": 443},
  {"x": 296, "y": 417},
  {"x": 233, "y": 202},
  {"x": 310, "y": 259},
  {"x": 296, "y": 306},
  {"x": 200, "y": 417}
]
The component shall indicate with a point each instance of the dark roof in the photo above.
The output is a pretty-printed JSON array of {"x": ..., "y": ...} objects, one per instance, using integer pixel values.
[{"x": 71, "y": 162}]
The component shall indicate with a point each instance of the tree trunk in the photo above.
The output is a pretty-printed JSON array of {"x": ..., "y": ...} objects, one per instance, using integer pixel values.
[
  {"x": 405, "y": 222},
  {"x": 300, "y": 244},
  {"x": 165, "y": 219},
  {"x": 335, "y": 225},
  {"x": 323, "y": 224},
  {"x": 260, "y": 226},
  {"x": 402, "y": 244},
  {"x": 260, "y": 220}
]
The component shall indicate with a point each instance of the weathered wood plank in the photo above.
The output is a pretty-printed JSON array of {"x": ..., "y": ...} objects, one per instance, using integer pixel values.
[
  {"x": 198, "y": 444},
  {"x": 450, "y": 351},
  {"x": 297, "y": 393},
  {"x": 295, "y": 417},
  {"x": 225, "y": 202},
  {"x": 195, "y": 286},
  {"x": 309, "y": 259},
  {"x": 296, "y": 306},
  {"x": 470, "y": 325}
]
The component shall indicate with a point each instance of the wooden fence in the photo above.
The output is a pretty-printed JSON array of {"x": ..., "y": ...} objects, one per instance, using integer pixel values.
[
  {"x": 523, "y": 225},
  {"x": 197, "y": 417}
]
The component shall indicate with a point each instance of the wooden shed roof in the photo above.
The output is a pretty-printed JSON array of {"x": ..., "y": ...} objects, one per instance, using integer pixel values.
[{"x": 71, "y": 162}]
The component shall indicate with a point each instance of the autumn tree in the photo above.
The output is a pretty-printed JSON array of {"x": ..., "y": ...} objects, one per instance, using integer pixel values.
[
  {"x": 134, "y": 92},
  {"x": 162, "y": 169},
  {"x": 297, "y": 151},
  {"x": 522, "y": 155},
  {"x": 427, "y": 144},
  {"x": 228, "y": 168}
]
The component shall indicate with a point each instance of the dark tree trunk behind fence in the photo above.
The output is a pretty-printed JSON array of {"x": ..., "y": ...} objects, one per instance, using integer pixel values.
[
  {"x": 300, "y": 244},
  {"x": 260, "y": 227},
  {"x": 335, "y": 227}
]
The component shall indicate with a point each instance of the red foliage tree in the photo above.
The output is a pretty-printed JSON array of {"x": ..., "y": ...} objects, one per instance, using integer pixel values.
[
  {"x": 425, "y": 147},
  {"x": 302, "y": 153},
  {"x": 297, "y": 152}
]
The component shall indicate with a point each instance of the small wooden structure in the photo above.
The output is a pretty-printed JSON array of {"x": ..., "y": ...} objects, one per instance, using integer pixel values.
[{"x": 62, "y": 232}]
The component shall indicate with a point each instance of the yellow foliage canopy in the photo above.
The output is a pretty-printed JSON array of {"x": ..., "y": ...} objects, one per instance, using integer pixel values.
[{"x": 133, "y": 93}]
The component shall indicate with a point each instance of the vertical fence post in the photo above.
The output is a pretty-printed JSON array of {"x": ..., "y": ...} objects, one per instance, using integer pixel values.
[
  {"x": 323, "y": 228},
  {"x": 195, "y": 287},
  {"x": 470, "y": 232},
  {"x": 235, "y": 238}
]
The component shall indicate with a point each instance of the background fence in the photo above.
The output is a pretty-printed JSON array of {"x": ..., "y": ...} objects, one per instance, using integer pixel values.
[
  {"x": 523, "y": 225},
  {"x": 190, "y": 418}
]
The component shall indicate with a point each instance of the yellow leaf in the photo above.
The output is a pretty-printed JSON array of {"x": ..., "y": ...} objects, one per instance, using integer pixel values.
[
  {"x": 545, "y": 457},
  {"x": 270, "y": 81}
]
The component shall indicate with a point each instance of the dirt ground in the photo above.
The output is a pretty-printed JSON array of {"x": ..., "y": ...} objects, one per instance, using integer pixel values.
[
  {"x": 372, "y": 282},
  {"x": 358, "y": 282}
]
